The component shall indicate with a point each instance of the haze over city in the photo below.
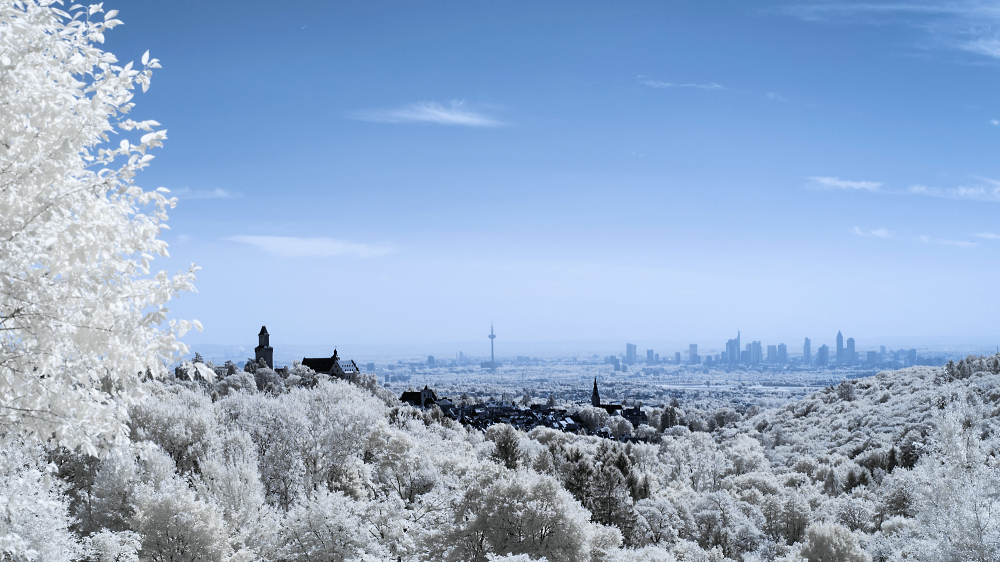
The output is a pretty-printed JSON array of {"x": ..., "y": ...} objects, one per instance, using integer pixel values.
[{"x": 664, "y": 173}]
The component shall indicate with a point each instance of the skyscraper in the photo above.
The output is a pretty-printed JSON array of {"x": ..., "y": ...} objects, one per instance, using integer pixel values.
[
  {"x": 852, "y": 356},
  {"x": 630, "y": 354},
  {"x": 649, "y": 357},
  {"x": 733, "y": 350},
  {"x": 756, "y": 353},
  {"x": 807, "y": 352},
  {"x": 840, "y": 347},
  {"x": 823, "y": 355},
  {"x": 693, "y": 354},
  {"x": 772, "y": 354},
  {"x": 782, "y": 353},
  {"x": 677, "y": 357}
]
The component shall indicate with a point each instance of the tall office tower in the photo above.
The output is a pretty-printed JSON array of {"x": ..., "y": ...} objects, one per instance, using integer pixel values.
[
  {"x": 756, "y": 353},
  {"x": 782, "y": 353},
  {"x": 852, "y": 356},
  {"x": 493, "y": 360},
  {"x": 733, "y": 350},
  {"x": 840, "y": 347},
  {"x": 807, "y": 352},
  {"x": 823, "y": 355},
  {"x": 656, "y": 358},
  {"x": 911, "y": 357},
  {"x": 693, "y": 356},
  {"x": 772, "y": 354},
  {"x": 649, "y": 357},
  {"x": 881, "y": 354},
  {"x": 677, "y": 357},
  {"x": 746, "y": 354},
  {"x": 430, "y": 360},
  {"x": 630, "y": 354}
]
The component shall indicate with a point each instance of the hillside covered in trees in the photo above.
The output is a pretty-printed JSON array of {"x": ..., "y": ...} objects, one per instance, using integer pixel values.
[{"x": 897, "y": 466}]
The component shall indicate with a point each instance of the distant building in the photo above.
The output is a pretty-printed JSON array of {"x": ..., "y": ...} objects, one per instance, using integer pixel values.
[
  {"x": 756, "y": 353},
  {"x": 419, "y": 398},
  {"x": 630, "y": 354},
  {"x": 872, "y": 357},
  {"x": 782, "y": 353},
  {"x": 656, "y": 358},
  {"x": 264, "y": 351},
  {"x": 430, "y": 360},
  {"x": 807, "y": 352},
  {"x": 331, "y": 365},
  {"x": 772, "y": 354},
  {"x": 370, "y": 367},
  {"x": 693, "y": 356},
  {"x": 911, "y": 357},
  {"x": 852, "y": 355},
  {"x": 492, "y": 365},
  {"x": 840, "y": 348},
  {"x": 733, "y": 350},
  {"x": 650, "y": 359},
  {"x": 595, "y": 397},
  {"x": 823, "y": 355},
  {"x": 677, "y": 357}
]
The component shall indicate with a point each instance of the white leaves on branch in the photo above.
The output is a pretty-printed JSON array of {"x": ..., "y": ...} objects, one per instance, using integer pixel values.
[{"x": 81, "y": 313}]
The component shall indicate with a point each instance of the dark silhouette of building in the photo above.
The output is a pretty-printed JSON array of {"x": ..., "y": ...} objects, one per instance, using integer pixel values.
[
  {"x": 693, "y": 356},
  {"x": 264, "y": 350},
  {"x": 595, "y": 397},
  {"x": 630, "y": 354},
  {"x": 649, "y": 357},
  {"x": 807, "y": 352},
  {"x": 852, "y": 355},
  {"x": 419, "y": 398},
  {"x": 840, "y": 348},
  {"x": 782, "y": 353},
  {"x": 331, "y": 365}
]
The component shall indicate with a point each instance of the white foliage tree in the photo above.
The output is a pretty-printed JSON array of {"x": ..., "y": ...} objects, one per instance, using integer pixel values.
[{"x": 81, "y": 314}]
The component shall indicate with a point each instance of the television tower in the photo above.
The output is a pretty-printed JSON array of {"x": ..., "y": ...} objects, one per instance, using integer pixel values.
[{"x": 492, "y": 336}]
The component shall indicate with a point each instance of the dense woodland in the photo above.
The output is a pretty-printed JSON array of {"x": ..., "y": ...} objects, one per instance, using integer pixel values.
[{"x": 255, "y": 467}]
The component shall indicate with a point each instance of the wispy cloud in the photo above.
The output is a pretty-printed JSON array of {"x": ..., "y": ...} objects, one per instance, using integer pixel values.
[
  {"x": 295, "y": 247},
  {"x": 994, "y": 121},
  {"x": 987, "y": 191},
  {"x": 946, "y": 242},
  {"x": 455, "y": 113},
  {"x": 877, "y": 232},
  {"x": 829, "y": 183},
  {"x": 987, "y": 236},
  {"x": 775, "y": 97},
  {"x": 661, "y": 84},
  {"x": 217, "y": 193},
  {"x": 965, "y": 25}
]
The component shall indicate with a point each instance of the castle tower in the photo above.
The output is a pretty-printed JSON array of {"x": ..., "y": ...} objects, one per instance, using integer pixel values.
[
  {"x": 595, "y": 397},
  {"x": 264, "y": 350}
]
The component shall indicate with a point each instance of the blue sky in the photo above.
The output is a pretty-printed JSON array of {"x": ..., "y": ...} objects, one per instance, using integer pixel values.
[{"x": 406, "y": 173}]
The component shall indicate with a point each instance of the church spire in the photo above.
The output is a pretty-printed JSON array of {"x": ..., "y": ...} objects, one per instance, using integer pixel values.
[{"x": 595, "y": 398}]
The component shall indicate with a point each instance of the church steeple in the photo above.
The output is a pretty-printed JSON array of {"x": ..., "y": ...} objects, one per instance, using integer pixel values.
[{"x": 595, "y": 397}]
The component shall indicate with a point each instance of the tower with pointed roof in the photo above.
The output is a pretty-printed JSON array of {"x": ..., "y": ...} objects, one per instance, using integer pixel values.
[
  {"x": 264, "y": 350},
  {"x": 595, "y": 397}
]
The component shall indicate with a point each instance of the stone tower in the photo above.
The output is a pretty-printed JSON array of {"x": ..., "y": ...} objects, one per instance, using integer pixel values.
[
  {"x": 595, "y": 397},
  {"x": 264, "y": 350}
]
